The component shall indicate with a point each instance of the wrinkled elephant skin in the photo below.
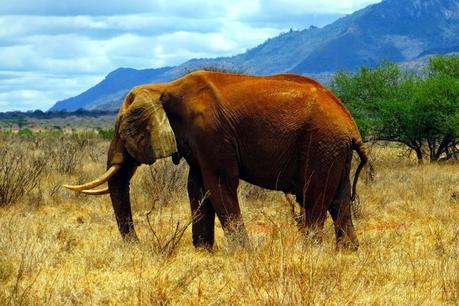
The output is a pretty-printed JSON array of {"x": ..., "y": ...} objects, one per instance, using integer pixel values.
[{"x": 282, "y": 132}]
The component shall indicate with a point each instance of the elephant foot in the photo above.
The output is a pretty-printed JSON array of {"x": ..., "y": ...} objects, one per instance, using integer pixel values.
[
  {"x": 347, "y": 244},
  {"x": 131, "y": 238},
  {"x": 313, "y": 236},
  {"x": 346, "y": 239},
  {"x": 203, "y": 245},
  {"x": 236, "y": 241},
  {"x": 237, "y": 236}
]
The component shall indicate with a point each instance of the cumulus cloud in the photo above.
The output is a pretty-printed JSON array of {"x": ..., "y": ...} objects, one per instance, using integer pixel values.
[
  {"x": 186, "y": 8},
  {"x": 51, "y": 49}
]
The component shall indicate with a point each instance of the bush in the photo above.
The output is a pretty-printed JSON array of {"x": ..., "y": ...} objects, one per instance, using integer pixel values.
[
  {"x": 361, "y": 91},
  {"x": 106, "y": 134},
  {"x": 162, "y": 178},
  {"x": 422, "y": 112},
  {"x": 68, "y": 154},
  {"x": 19, "y": 172},
  {"x": 25, "y": 133}
]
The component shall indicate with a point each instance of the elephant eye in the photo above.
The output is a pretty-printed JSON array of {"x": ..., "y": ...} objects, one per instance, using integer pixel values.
[{"x": 164, "y": 98}]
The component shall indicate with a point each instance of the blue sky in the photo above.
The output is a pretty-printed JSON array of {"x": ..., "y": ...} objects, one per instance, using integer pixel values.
[{"x": 51, "y": 50}]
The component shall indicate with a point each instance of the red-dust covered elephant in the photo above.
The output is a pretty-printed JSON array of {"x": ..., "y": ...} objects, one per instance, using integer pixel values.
[{"x": 282, "y": 132}]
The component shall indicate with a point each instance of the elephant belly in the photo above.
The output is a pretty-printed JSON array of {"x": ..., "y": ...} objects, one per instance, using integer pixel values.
[{"x": 270, "y": 173}]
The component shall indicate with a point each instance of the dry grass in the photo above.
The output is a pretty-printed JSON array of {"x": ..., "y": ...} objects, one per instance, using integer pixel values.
[{"x": 67, "y": 250}]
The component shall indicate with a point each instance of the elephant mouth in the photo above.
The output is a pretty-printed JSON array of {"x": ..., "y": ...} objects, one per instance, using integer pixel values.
[{"x": 88, "y": 188}]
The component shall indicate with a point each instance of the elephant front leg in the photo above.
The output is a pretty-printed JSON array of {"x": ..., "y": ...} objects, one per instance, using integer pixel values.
[
  {"x": 223, "y": 195},
  {"x": 203, "y": 213}
]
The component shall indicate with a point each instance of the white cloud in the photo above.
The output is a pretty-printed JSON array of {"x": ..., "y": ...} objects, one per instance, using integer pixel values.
[
  {"x": 30, "y": 91},
  {"x": 188, "y": 8},
  {"x": 51, "y": 49},
  {"x": 298, "y": 7}
]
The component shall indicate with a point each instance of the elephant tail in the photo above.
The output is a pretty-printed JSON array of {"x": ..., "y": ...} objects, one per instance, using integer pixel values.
[{"x": 359, "y": 147}]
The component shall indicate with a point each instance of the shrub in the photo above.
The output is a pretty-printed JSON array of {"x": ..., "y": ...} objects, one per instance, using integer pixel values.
[
  {"x": 163, "y": 178},
  {"x": 106, "y": 134},
  {"x": 68, "y": 154},
  {"x": 25, "y": 133},
  {"x": 19, "y": 172}
]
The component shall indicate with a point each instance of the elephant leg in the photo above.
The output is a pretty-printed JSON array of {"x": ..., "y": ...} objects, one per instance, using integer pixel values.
[
  {"x": 319, "y": 189},
  {"x": 203, "y": 213},
  {"x": 223, "y": 196},
  {"x": 312, "y": 217},
  {"x": 119, "y": 193},
  {"x": 340, "y": 210}
]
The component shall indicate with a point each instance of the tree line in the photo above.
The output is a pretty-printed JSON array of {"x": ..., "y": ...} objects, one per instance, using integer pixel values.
[
  {"x": 39, "y": 114},
  {"x": 417, "y": 109}
]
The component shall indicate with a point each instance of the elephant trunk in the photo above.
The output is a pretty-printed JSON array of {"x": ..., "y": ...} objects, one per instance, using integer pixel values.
[
  {"x": 143, "y": 134},
  {"x": 118, "y": 187}
]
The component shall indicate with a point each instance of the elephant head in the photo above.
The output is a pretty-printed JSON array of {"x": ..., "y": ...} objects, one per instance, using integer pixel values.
[
  {"x": 143, "y": 134},
  {"x": 144, "y": 127}
]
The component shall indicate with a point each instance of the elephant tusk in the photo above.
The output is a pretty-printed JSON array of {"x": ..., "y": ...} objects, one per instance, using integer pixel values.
[
  {"x": 96, "y": 191},
  {"x": 97, "y": 182}
]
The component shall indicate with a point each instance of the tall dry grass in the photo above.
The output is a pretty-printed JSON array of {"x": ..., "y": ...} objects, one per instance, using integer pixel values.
[{"x": 59, "y": 247}]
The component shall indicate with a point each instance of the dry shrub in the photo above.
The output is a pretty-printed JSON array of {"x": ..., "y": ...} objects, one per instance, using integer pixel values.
[
  {"x": 167, "y": 235},
  {"x": 67, "y": 153},
  {"x": 19, "y": 171},
  {"x": 28, "y": 265},
  {"x": 160, "y": 179},
  {"x": 97, "y": 151}
]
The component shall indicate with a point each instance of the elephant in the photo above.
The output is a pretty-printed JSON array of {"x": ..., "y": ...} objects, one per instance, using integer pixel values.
[{"x": 283, "y": 132}]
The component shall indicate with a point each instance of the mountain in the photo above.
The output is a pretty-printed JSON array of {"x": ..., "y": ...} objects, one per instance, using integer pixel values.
[
  {"x": 392, "y": 30},
  {"x": 396, "y": 30},
  {"x": 109, "y": 92}
]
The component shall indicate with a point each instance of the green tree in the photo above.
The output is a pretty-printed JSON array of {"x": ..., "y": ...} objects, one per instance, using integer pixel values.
[
  {"x": 420, "y": 112},
  {"x": 397, "y": 116},
  {"x": 437, "y": 102},
  {"x": 444, "y": 65},
  {"x": 363, "y": 91}
]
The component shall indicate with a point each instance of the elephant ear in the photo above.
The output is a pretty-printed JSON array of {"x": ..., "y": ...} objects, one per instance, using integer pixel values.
[{"x": 145, "y": 128}]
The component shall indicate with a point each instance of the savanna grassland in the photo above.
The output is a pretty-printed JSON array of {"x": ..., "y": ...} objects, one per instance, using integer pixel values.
[{"x": 61, "y": 247}]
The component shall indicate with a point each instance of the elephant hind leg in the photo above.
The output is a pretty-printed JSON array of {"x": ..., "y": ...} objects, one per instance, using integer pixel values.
[
  {"x": 320, "y": 184},
  {"x": 312, "y": 218},
  {"x": 203, "y": 213},
  {"x": 313, "y": 200},
  {"x": 340, "y": 210}
]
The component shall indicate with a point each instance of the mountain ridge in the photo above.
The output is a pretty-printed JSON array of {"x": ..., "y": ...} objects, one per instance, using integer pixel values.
[{"x": 394, "y": 30}]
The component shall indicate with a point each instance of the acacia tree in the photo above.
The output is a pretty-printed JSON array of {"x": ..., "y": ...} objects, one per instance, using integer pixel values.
[
  {"x": 437, "y": 102},
  {"x": 421, "y": 112},
  {"x": 441, "y": 96},
  {"x": 362, "y": 91},
  {"x": 397, "y": 117}
]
